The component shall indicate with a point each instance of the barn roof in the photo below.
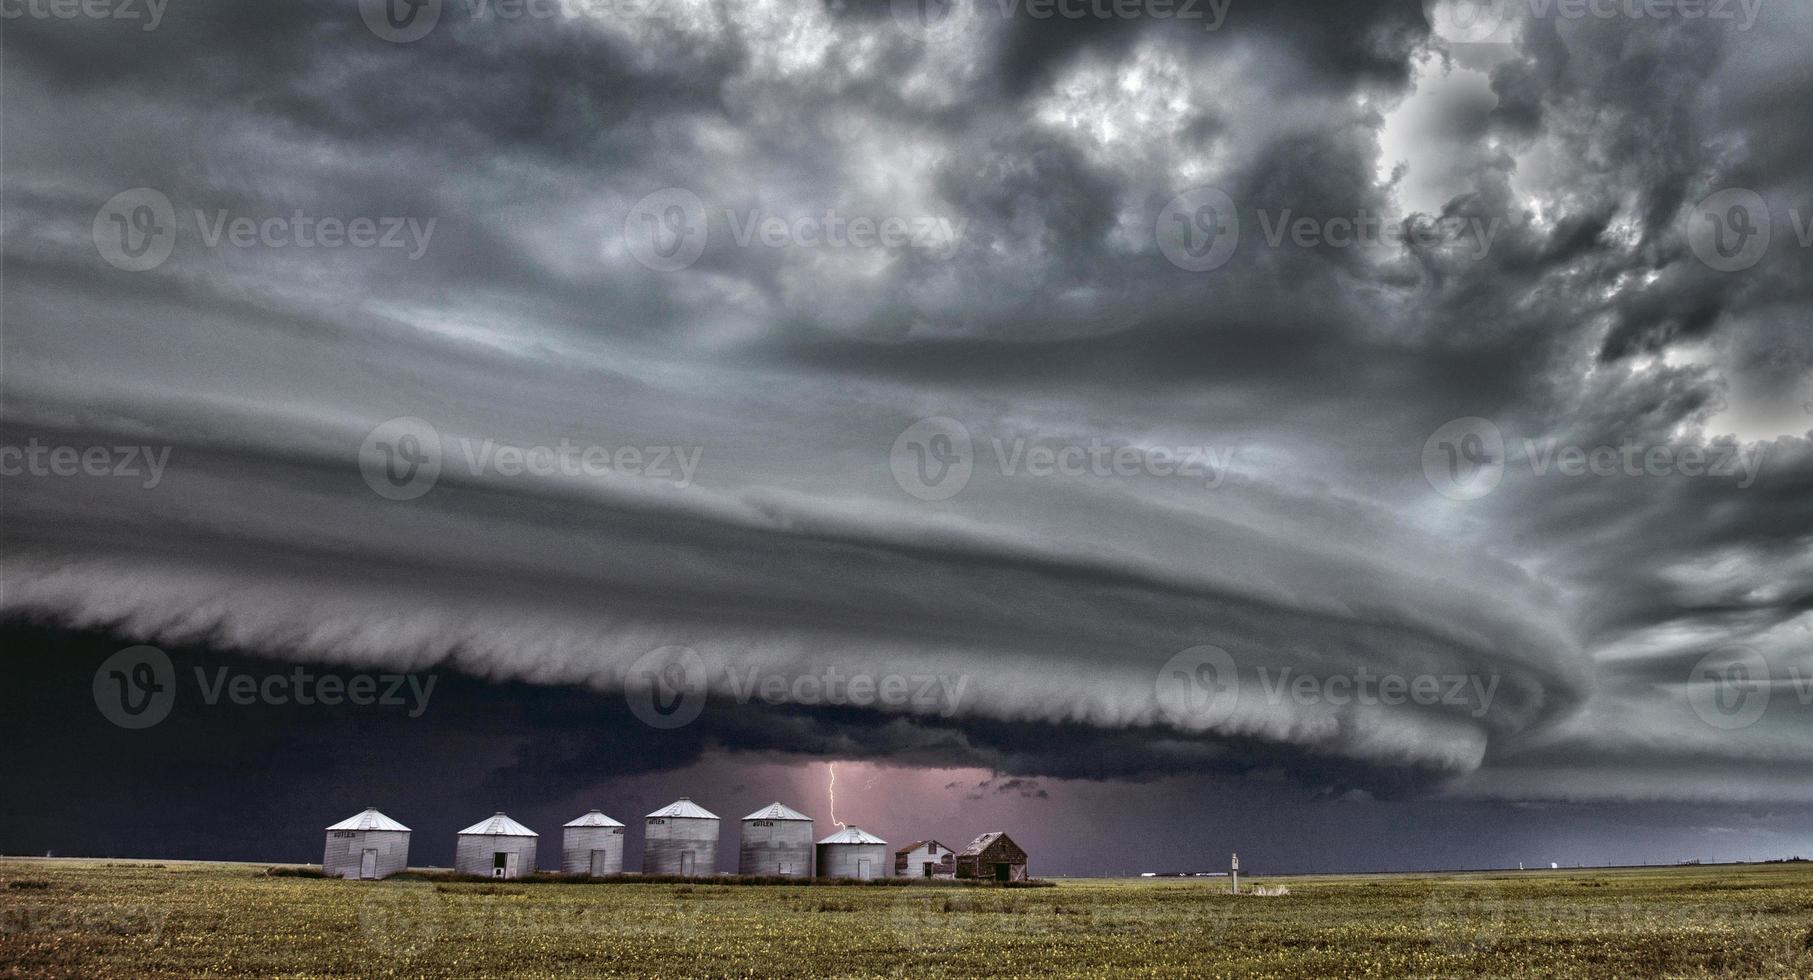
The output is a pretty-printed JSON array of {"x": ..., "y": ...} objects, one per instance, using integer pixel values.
[
  {"x": 594, "y": 819},
  {"x": 778, "y": 811},
  {"x": 852, "y": 835},
  {"x": 916, "y": 845},
  {"x": 368, "y": 819},
  {"x": 981, "y": 843},
  {"x": 499, "y": 825},
  {"x": 684, "y": 807}
]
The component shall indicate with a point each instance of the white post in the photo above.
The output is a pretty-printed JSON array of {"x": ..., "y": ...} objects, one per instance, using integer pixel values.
[{"x": 1236, "y": 875}]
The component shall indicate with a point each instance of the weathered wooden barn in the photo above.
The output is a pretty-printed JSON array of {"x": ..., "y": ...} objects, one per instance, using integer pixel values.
[
  {"x": 992, "y": 856},
  {"x": 592, "y": 845},
  {"x": 366, "y": 845},
  {"x": 777, "y": 840},
  {"x": 925, "y": 859},
  {"x": 497, "y": 847}
]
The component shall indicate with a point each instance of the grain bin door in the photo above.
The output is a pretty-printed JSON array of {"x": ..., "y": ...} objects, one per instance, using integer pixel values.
[
  {"x": 598, "y": 864},
  {"x": 511, "y": 864},
  {"x": 368, "y": 863},
  {"x": 862, "y": 869},
  {"x": 686, "y": 864}
]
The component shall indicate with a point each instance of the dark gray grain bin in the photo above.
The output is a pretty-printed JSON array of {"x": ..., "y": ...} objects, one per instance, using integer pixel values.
[
  {"x": 777, "y": 840},
  {"x": 366, "y": 845}
]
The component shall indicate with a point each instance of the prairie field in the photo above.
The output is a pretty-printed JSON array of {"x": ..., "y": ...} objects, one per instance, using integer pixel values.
[{"x": 79, "y": 918}]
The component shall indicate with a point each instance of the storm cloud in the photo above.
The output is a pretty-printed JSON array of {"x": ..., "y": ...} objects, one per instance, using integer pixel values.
[{"x": 669, "y": 291}]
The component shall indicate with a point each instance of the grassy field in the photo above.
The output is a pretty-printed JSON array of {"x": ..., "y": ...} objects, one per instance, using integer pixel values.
[{"x": 99, "y": 919}]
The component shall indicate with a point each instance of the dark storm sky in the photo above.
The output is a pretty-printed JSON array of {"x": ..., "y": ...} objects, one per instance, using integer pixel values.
[{"x": 1040, "y": 301}]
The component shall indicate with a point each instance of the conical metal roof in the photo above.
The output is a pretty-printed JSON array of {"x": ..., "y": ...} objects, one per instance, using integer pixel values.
[
  {"x": 499, "y": 825},
  {"x": 368, "y": 819},
  {"x": 684, "y": 807},
  {"x": 852, "y": 835},
  {"x": 778, "y": 811},
  {"x": 594, "y": 819}
]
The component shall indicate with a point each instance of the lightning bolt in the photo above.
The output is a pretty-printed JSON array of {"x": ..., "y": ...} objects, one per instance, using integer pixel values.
[{"x": 831, "y": 790}]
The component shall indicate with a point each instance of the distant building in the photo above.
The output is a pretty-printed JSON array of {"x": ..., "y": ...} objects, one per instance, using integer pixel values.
[
  {"x": 853, "y": 853},
  {"x": 497, "y": 848},
  {"x": 992, "y": 856},
  {"x": 925, "y": 859},
  {"x": 777, "y": 840},
  {"x": 366, "y": 845},
  {"x": 681, "y": 838},
  {"x": 592, "y": 845}
]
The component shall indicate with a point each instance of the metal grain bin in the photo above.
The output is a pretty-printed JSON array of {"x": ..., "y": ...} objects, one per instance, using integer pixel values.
[
  {"x": 592, "y": 845},
  {"x": 366, "y": 845},
  {"x": 853, "y": 853},
  {"x": 681, "y": 838},
  {"x": 777, "y": 840},
  {"x": 497, "y": 848}
]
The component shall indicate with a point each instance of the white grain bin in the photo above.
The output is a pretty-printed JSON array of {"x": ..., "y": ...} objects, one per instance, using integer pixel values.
[
  {"x": 366, "y": 845},
  {"x": 777, "y": 840},
  {"x": 681, "y": 838},
  {"x": 592, "y": 845},
  {"x": 853, "y": 853},
  {"x": 497, "y": 847}
]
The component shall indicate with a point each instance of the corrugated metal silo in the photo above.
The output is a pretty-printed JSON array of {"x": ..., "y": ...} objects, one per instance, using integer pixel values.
[
  {"x": 592, "y": 845},
  {"x": 681, "y": 838},
  {"x": 777, "y": 840},
  {"x": 853, "y": 853},
  {"x": 366, "y": 845},
  {"x": 497, "y": 848}
]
